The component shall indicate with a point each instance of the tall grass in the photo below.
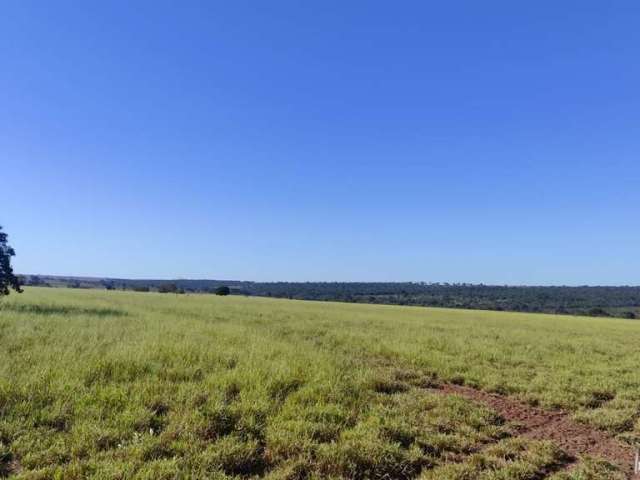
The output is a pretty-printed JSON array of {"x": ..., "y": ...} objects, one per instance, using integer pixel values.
[{"x": 141, "y": 385}]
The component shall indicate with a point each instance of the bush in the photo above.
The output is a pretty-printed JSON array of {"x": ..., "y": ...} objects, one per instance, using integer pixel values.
[
  {"x": 223, "y": 290},
  {"x": 168, "y": 288}
]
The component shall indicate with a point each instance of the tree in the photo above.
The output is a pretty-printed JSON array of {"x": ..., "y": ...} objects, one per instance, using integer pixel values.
[
  {"x": 7, "y": 277},
  {"x": 223, "y": 290},
  {"x": 598, "y": 312},
  {"x": 168, "y": 288}
]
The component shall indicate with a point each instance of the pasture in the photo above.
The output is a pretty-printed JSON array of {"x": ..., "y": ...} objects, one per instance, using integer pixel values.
[{"x": 119, "y": 385}]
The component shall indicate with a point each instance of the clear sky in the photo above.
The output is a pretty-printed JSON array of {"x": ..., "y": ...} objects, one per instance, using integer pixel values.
[{"x": 470, "y": 141}]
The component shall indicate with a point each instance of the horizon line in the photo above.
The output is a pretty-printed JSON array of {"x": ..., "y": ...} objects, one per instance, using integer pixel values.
[{"x": 423, "y": 282}]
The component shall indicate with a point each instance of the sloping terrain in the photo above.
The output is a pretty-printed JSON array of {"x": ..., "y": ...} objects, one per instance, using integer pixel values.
[{"x": 97, "y": 384}]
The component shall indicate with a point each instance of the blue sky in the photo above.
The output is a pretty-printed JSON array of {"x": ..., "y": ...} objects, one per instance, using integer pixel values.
[{"x": 494, "y": 142}]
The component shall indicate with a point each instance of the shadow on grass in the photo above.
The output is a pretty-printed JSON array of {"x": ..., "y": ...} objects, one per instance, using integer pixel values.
[{"x": 40, "y": 309}]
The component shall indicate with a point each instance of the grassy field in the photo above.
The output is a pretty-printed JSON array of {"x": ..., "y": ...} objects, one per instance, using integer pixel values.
[{"x": 97, "y": 384}]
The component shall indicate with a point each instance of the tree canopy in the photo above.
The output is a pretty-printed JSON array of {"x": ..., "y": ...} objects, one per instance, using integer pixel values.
[
  {"x": 8, "y": 279},
  {"x": 223, "y": 290}
]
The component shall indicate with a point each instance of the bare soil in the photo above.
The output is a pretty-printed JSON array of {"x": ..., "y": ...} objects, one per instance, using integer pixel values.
[{"x": 575, "y": 439}]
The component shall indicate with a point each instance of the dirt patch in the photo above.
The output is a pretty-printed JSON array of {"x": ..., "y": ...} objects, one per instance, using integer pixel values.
[
  {"x": 11, "y": 468},
  {"x": 574, "y": 438}
]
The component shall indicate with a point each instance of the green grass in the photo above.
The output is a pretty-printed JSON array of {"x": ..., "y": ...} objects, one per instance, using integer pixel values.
[{"x": 97, "y": 384}]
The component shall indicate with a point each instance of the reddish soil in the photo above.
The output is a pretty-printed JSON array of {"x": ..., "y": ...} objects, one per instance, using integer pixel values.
[{"x": 573, "y": 438}]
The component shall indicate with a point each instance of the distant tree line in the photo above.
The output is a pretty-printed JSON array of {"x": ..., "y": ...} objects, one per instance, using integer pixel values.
[{"x": 623, "y": 301}]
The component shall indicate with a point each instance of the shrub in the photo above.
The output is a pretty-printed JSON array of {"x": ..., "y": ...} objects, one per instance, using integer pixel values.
[
  {"x": 222, "y": 290},
  {"x": 168, "y": 288}
]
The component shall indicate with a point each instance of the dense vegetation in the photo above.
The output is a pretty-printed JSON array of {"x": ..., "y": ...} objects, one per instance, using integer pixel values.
[
  {"x": 114, "y": 385},
  {"x": 8, "y": 280},
  {"x": 621, "y": 301}
]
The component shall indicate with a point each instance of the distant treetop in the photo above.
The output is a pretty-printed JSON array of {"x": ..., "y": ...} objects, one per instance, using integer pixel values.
[{"x": 223, "y": 290}]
